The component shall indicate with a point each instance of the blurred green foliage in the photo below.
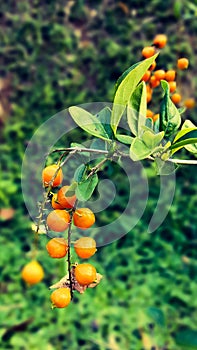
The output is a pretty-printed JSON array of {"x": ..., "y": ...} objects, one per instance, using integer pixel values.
[{"x": 63, "y": 53}]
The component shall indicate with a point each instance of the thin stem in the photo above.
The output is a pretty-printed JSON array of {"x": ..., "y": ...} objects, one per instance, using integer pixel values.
[
  {"x": 97, "y": 167},
  {"x": 69, "y": 249}
]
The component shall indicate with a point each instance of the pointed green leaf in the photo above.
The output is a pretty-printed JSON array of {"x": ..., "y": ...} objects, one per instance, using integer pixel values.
[
  {"x": 85, "y": 188},
  {"x": 152, "y": 140},
  {"x": 124, "y": 139},
  {"x": 139, "y": 150},
  {"x": 104, "y": 117},
  {"x": 80, "y": 173},
  {"x": 126, "y": 88},
  {"x": 191, "y": 148},
  {"x": 136, "y": 110},
  {"x": 88, "y": 122},
  {"x": 170, "y": 119},
  {"x": 183, "y": 138},
  {"x": 124, "y": 74},
  {"x": 71, "y": 190}
]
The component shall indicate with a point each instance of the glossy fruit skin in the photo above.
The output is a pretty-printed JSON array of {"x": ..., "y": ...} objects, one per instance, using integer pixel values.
[
  {"x": 154, "y": 82},
  {"x": 65, "y": 201},
  {"x": 48, "y": 173},
  {"x": 189, "y": 103},
  {"x": 160, "y": 74},
  {"x": 54, "y": 202},
  {"x": 182, "y": 63},
  {"x": 146, "y": 76},
  {"x": 170, "y": 75},
  {"x": 155, "y": 117},
  {"x": 176, "y": 98},
  {"x": 85, "y": 274},
  {"x": 61, "y": 297},
  {"x": 153, "y": 65},
  {"x": 172, "y": 86},
  {"x": 148, "y": 51},
  {"x": 57, "y": 247},
  {"x": 58, "y": 220},
  {"x": 160, "y": 40},
  {"x": 32, "y": 272},
  {"x": 149, "y": 113},
  {"x": 83, "y": 218},
  {"x": 85, "y": 247}
]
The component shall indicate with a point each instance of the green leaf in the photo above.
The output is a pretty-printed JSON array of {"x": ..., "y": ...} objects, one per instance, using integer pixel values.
[
  {"x": 192, "y": 147},
  {"x": 86, "y": 188},
  {"x": 124, "y": 74},
  {"x": 139, "y": 150},
  {"x": 164, "y": 167},
  {"x": 80, "y": 172},
  {"x": 183, "y": 138},
  {"x": 187, "y": 339},
  {"x": 170, "y": 119},
  {"x": 125, "y": 139},
  {"x": 152, "y": 140},
  {"x": 156, "y": 314},
  {"x": 136, "y": 110},
  {"x": 88, "y": 122},
  {"x": 104, "y": 117},
  {"x": 71, "y": 190},
  {"x": 126, "y": 88}
]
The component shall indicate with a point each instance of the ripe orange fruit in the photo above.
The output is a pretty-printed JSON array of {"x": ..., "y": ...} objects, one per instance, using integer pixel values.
[
  {"x": 54, "y": 202},
  {"x": 61, "y": 297},
  {"x": 153, "y": 65},
  {"x": 32, "y": 272},
  {"x": 49, "y": 172},
  {"x": 182, "y": 63},
  {"x": 57, "y": 247},
  {"x": 170, "y": 75},
  {"x": 189, "y": 103},
  {"x": 172, "y": 86},
  {"x": 83, "y": 218},
  {"x": 85, "y": 247},
  {"x": 148, "y": 51},
  {"x": 58, "y": 220},
  {"x": 64, "y": 200},
  {"x": 146, "y": 76},
  {"x": 160, "y": 40},
  {"x": 85, "y": 274},
  {"x": 154, "y": 82},
  {"x": 176, "y": 98},
  {"x": 160, "y": 74},
  {"x": 149, "y": 113},
  {"x": 155, "y": 117}
]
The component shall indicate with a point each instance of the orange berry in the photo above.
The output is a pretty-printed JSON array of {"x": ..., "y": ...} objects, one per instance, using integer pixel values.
[
  {"x": 58, "y": 220},
  {"x": 49, "y": 172},
  {"x": 153, "y": 65},
  {"x": 32, "y": 272},
  {"x": 176, "y": 98},
  {"x": 155, "y": 117},
  {"x": 64, "y": 200},
  {"x": 148, "y": 51},
  {"x": 159, "y": 74},
  {"x": 149, "y": 113},
  {"x": 182, "y": 63},
  {"x": 154, "y": 82},
  {"x": 148, "y": 97},
  {"x": 83, "y": 218},
  {"x": 160, "y": 40},
  {"x": 172, "y": 86},
  {"x": 54, "y": 202},
  {"x": 85, "y": 247},
  {"x": 57, "y": 247},
  {"x": 85, "y": 274},
  {"x": 61, "y": 297},
  {"x": 170, "y": 75},
  {"x": 146, "y": 76},
  {"x": 189, "y": 103}
]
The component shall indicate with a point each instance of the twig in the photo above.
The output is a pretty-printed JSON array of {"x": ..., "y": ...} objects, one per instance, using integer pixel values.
[
  {"x": 69, "y": 246},
  {"x": 97, "y": 167}
]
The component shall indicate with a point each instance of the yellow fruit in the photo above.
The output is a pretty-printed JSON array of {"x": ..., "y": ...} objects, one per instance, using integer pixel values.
[{"x": 32, "y": 272}]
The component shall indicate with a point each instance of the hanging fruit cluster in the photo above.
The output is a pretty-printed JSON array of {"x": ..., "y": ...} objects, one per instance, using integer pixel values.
[{"x": 153, "y": 77}]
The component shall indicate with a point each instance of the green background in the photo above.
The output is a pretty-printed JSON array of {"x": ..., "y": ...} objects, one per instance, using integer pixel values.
[{"x": 58, "y": 54}]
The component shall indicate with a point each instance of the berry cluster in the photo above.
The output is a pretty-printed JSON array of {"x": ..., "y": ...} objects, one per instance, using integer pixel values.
[
  {"x": 64, "y": 214},
  {"x": 153, "y": 77}
]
